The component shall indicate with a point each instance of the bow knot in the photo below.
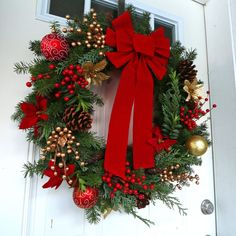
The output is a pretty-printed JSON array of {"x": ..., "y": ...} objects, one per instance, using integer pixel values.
[{"x": 138, "y": 53}]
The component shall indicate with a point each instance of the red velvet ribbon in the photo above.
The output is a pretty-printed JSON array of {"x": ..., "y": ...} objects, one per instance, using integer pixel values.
[{"x": 139, "y": 53}]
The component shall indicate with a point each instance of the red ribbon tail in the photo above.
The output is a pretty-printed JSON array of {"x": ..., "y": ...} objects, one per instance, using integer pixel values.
[
  {"x": 116, "y": 149},
  {"x": 143, "y": 155}
]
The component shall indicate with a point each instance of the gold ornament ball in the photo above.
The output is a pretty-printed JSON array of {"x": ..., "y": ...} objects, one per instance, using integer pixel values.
[{"x": 197, "y": 145}]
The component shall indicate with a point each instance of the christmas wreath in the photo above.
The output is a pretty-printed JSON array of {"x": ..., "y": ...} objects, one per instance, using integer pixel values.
[{"x": 160, "y": 85}]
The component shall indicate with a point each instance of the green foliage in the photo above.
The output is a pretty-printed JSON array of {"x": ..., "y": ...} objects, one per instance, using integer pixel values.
[
  {"x": 34, "y": 46},
  {"x": 171, "y": 107},
  {"x": 179, "y": 53},
  {"x": 141, "y": 22}
]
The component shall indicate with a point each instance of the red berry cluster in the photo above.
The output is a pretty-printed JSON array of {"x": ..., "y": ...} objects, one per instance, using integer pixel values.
[
  {"x": 72, "y": 77},
  {"x": 193, "y": 112},
  {"x": 40, "y": 76},
  {"x": 132, "y": 184}
]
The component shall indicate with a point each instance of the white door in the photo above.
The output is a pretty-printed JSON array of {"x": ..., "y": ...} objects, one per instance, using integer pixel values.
[{"x": 50, "y": 212}]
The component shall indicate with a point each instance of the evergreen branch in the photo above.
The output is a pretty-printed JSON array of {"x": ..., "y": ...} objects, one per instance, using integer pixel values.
[
  {"x": 44, "y": 87},
  {"x": 170, "y": 108},
  {"x": 34, "y": 46},
  {"x": 172, "y": 202},
  {"x": 34, "y": 168},
  {"x": 145, "y": 221},
  {"x": 93, "y": 215},
  {"x": 92, "y": 55},
  {"x": 21, "y": 67},
  {"x": 55, "y": 27}
]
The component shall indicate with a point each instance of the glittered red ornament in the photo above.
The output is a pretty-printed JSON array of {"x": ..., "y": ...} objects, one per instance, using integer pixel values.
[
  {"x": 85, "y": 199},
  {"x": 54, "y": 47}
]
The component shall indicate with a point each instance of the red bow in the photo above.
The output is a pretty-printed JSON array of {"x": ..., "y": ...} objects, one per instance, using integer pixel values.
[
  {"x": 139, "y": 53},
  {"x": 33, "y": 113}
]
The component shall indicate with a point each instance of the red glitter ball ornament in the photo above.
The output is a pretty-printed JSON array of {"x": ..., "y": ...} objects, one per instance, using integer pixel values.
[
  {"x": 54, "y": 47},
  {"x": 85, "y": 199}
]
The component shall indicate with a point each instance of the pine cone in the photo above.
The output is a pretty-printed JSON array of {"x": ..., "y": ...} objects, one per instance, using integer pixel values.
[
  {"x": 77, "y": 120},
  {"x": 187, "y": 71},
  {"x": 142, "y": 203}
]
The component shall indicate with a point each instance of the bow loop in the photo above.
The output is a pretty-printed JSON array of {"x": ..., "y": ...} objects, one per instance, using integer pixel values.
[{"x": 144, "y": 44}]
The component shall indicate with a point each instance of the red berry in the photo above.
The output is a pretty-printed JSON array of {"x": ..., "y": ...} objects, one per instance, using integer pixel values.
[
  {"x": 182, "y": 108},
  {"x": 29, "y": 84},
  {"x": 33, "y": 79},
  {"x": 71, "y": 67},
  {"x": 52, "y": 66},
  {"x": 135, "y": 192},
  {"x": 126, "y": 185},
  {"x": 75, "y": 77},
  {"x": 145, "y": 187},
  {"x": 208, "y": 92},
  {"x": 63, "y": 83},
  {"x": 207, "y": 110},
  {"x": 103, "y": 178},
  {"x": 133, "y": 181},
  {"x": 141, "y": 196},
  {"x": 56, "y": 85},
  {"x": 112, "y": 195},
  {"x": 127, "y": 163},
  {"x": 80, "y": 71},
  {"x": 69, "y": 86},
  {"x": 130, "y": 191},
  {"x": 152, "y": 186},
  {"x": 66, "y": 99},
  {"x": 206, "y": 99},
  {"x": 40, "y": 76},
  {"x": 143, "y": 177},
  {"x": 71, "y": 72},
  {"x": 214, "y": 105},
  {"x": 57, "y": 95},
  {"x": 108, "y": 179},
  {"x": 110, "y": 185},
  {"x": 67, "y": 79},
  {"x": 128, "y": 171},
  {"x": 78, "y": 67}
]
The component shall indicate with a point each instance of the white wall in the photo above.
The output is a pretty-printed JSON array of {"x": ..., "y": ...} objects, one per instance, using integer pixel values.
[
  {"x": 222, "y": 84},
  {"x": 14, "y": 38}
]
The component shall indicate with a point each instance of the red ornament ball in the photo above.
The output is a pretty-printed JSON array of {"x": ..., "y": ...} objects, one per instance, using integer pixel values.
[
  {"x": 85, "y": 199},
  {"x": 54, "y": 47}
]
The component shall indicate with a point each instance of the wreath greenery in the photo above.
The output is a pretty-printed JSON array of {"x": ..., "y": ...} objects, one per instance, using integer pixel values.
[{"x": 57, "y": 116}]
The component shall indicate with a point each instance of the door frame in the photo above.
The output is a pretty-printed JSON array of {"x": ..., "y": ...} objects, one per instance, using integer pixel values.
[{"x": 221, "y": 50}]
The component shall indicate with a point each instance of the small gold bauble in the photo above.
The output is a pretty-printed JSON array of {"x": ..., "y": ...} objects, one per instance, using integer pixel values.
[
  {"x": 73, "y": 44},
  {"x": 64, "y": 30},
  {"x": 60, "y": 164},
  {"x": 79, "y": 30},
  {"x": 67, "y": 17},
  {"x": 42, "y": 158},
  {"x": 58, "y": 129},
  {"x": 63, "y": 155},
  {"x": 197, "y": 145}
]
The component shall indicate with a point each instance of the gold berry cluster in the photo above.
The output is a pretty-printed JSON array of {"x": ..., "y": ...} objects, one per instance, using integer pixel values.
[
  {"x": 94, "y": 36},
  {"x": 61, "y": 143},
  {"x": 168, "y": 174}
]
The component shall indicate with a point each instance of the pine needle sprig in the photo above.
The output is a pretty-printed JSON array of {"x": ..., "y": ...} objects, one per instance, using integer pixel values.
[
  {"x": 34, "y": 46},
  {"x": 171, "y": 107},
  {"x": 34, "y": 168}
]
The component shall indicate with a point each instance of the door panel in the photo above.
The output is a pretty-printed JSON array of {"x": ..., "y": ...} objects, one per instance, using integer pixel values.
[{"x": 52, "y": 213}]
